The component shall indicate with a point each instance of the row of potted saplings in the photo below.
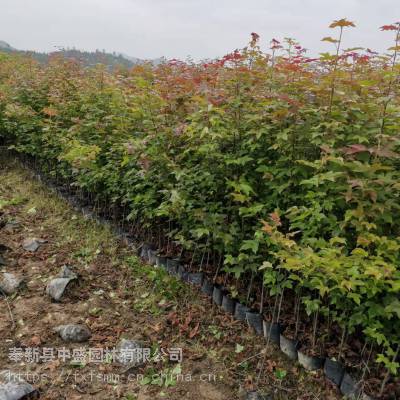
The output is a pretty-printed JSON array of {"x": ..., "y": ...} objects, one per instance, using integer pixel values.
[{"x": 271, "y": 330}]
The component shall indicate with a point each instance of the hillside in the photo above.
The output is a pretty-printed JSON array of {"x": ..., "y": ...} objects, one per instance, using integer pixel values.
[{"x": 86, "y": 58}]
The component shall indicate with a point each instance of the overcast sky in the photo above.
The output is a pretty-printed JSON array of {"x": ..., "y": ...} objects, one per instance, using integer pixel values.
[{"x": 179, "y": 28}]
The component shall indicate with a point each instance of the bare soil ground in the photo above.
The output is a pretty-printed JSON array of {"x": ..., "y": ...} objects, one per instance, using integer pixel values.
[{"x": 117, "y": 296}]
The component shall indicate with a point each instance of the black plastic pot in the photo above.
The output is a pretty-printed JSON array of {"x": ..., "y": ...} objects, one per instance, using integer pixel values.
[
  {"x": 182, "y": 273},
  {"x": 334, "y": 371},
  {"x": 349, "y": 387},
  {"x": 240, "y": 311},
  {"x": 272, "y": 331},
  {"x": 217, "y": 295},
  {"x": 228, "y": 304},
  {"x": 172, "y": 266},
  {"x": 195, "y": 278},
  {"x": 207, "y": 287},
  {"x": 289, "y": 346},
  {"x": 144, "y": 250},
  {"x": 255, "y": 320},
  {"x": 310, "y": 363},
  {"x": 152, "y": 256},
  {"x": 161, "y": 262}
]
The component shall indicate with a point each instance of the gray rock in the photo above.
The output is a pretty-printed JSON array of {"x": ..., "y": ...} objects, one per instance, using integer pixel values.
[
  {"x": 130, "y": 353},
  {"x": 73, "y": 333},
  {"x": 66, "y": 273},
  {"x": 56, "y": 287},
  {"x": 32, "y": 244},
  {"x": 2, "y": 261},
  {"x": 11, "y": 226},
  {"x": 15, "y": 388},
  {"x": 10, "y": 283}
]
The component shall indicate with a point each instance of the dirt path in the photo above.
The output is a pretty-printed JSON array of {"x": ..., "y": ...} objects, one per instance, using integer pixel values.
[{"x": 118, "y": 297}]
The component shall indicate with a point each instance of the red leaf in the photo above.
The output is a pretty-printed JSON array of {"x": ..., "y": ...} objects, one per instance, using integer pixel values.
[
  {"x": 385, "y": 152},
  {"x": 373, "y": 195},
  {"x": 355, "y": 148},
  {"x": 389, "y": 28},
  {"x": 194, "y": 331},
  {"x": 355, "y": 182},
  {"x": 275, "y": 217}
]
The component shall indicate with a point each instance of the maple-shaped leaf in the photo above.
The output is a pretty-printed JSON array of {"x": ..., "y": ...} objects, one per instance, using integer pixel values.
[
  {"x": 385, "y": 152},
  {"x": 275, "y": 217},
  {"x": 329, "y": 39},
  {"x": 391, "y": 27},
  {"x": 354, "y": 149},
  {"x": 341, "y": 23},
  {"x": 372, "y": 195},
  {"x": 267, "y": 227},
  {"x": 355, "y": 183},
  {"x": 326, "y": 149}
]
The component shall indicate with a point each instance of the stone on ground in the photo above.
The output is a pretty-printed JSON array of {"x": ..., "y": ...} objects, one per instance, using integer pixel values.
[
  {"x": 10, "y": 283},
  {"x": 73, "y": 333},
  {"x": 32, "y": 244},
  {"x": 130, "y": 352},
  {"x": 56, "y": 287},
  {"x": 12, "y": 387},
  {"x": 66, "y": 273}
]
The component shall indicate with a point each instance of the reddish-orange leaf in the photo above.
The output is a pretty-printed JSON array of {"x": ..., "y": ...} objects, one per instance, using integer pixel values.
[
  {"x": 389, "y": 28},
  {"x": 341, "y": 23},
  {"x": 194, "y": 331},
  {"x": 355, "y": 148}
]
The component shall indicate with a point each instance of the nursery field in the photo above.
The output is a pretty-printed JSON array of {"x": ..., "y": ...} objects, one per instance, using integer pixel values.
[{"x": 273, "y": 174}]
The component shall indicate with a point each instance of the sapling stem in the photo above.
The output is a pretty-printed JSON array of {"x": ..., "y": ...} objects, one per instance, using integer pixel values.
[
  {"x": 365, "y": 369},
  {"x": 342, "y": 341},
  {"x": 218, "y": 267},
  {"x": 268, "y": 338},
  {"x": 202, "y": 259},
  {"x": 274, "y": 309},
  {"x": 193, "y": 254},
  {"x": 226, "y": 279},
  {"x": 363, "y": 349},
  {"x": 249, "y": 287},
  {"x": 315, "y": 324},
  {"x": 387, "y": 375},
  {"x": 208, "y": 257},
  {"x": 280, "y": 306},
  {"x": 168, "y": 235},
  {"x": 297, "y": 313},
  {"x": 262, "y": 298}
]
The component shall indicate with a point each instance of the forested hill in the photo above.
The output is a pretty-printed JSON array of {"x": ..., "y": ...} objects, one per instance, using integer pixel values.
[{"x": 86, "y": 58}]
